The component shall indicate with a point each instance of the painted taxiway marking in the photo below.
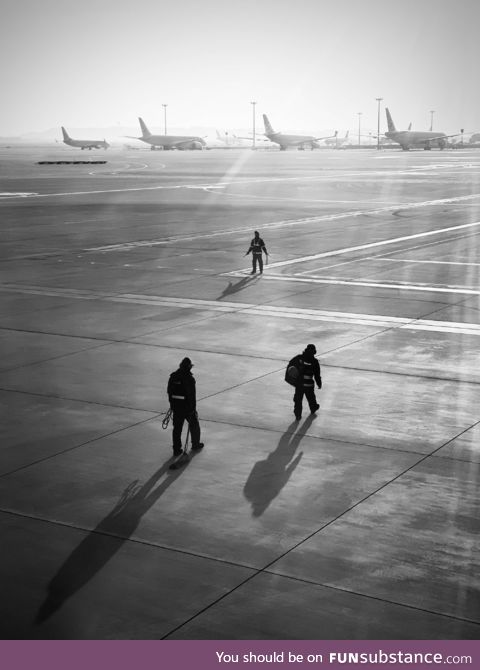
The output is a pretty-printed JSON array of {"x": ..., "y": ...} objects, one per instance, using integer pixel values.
[
  {"x": 285, "y": 223},
  {"x": 410, "y": 260},
  {"x": 16, "y": 194},
  {"x": 385, "y": 255},
  {"x": 378, "y": 321},
  {"x": 122, "y": 170},
  {"x": 370, "y": 245},
  {"x": 399, "y": 286},
  {"x": 253, "y": 180}
]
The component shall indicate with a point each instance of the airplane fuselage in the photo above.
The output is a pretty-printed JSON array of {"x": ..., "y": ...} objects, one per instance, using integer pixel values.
[
  {"x": 300, "y": 141},
  {"x": 87, "y": 144},
  {"x": 416, "y": 138},
  {"x": 182, "y": 142}
]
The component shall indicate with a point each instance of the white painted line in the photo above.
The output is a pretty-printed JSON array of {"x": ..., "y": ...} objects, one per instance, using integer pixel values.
[
  {"x": 255, "y": 180},
  {"x": 282, "y": 224},
  {"x": 376, "y": 321},
  {"x": 410, "y": 260},
  {"x": 343, "y": 282},
  {"x": 360, "y": 247},
  {"x": 16, "y": 194}
]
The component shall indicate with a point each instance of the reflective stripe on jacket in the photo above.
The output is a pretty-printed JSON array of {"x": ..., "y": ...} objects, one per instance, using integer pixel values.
[{"x": 181, "y": 387}]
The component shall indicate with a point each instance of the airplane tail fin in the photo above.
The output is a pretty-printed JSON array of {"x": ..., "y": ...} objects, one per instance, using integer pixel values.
[
  {"x": 268, "y": 128},
  {"x": 145, "y": 131},
  {"x": 391, "y": 125},
  {"x": 65, "y": 134}
]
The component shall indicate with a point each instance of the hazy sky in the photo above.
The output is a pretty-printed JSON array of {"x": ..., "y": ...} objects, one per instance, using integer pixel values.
[{"x": 310, "y": 64}]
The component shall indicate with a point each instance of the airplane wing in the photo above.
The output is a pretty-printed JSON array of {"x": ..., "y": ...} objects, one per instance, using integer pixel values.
[
  {"x": 444, "y": 137},
  {"x": 257, "y": 137},
  {"x": 328, "y": 137}
]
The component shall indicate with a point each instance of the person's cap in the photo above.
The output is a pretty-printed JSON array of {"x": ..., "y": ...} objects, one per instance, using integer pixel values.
[
  {"x": 256, "y": 232},
  {"x": 186, "y": 364},
  {"x": 311, "y": 348}
]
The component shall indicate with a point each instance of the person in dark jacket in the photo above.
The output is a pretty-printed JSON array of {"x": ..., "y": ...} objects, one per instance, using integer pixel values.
[
  {"x": 257, "y": 245},
  {"x": 309, "y": 369},
  {"x": 183, "y": 402}
]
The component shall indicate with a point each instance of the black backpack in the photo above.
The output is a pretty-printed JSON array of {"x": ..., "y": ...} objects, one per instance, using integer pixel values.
[{"x": 294, "y": 372}]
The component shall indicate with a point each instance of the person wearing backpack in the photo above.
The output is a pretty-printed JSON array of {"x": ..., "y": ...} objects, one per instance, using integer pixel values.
[
  {"x": 302, "y": 372},
  {"x": 183, "y": 402}
]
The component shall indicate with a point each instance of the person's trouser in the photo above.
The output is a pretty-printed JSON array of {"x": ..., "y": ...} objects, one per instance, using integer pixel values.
[
  {"x": 180, "y": 415},
  {"x": 255, "y": 258},
  {"x": 309, "y": 393}
]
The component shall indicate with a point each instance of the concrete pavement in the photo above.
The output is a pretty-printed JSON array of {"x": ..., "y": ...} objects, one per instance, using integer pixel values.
[{"x": 360, "y": 522}]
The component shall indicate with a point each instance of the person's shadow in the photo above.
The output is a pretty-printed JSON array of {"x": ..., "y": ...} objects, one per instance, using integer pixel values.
[
  {"x": 102, "y": 543},
  {"x": 268, "y": 477},
  {"x": 235, "y": 288}
]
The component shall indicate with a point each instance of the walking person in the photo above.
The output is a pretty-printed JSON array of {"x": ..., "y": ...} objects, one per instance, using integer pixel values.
[
  {"x": 257, "y": 245},
  {"x": 183, "y": 403},
  {"x": 308, "y": 373}
]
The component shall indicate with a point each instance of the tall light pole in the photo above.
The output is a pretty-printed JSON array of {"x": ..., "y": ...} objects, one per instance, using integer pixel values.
[
  {"x": 253, "y": 103},
  {"x": 379, "y": 100},
  {"x": 432, "y": 112},
  {"x": 165, "y": 118},
  {"x": 359, "y": 116}
]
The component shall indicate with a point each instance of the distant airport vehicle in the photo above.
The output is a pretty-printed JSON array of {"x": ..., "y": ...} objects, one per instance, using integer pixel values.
[
  {"x": 84, "y": 144},
  {"x": 181, "y": 142},
  {"x": 299, "y": 141},
  {"x": 337, "y": 141},
  {"x": 420, "y": 139}
]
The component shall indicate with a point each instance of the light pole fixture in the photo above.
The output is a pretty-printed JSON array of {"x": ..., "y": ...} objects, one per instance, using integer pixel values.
[
  {"x": 432, "y": 112},
  {"x": 359, "y": 117},
  {"x": 253, "y": 103},
  {"x": 165, "y": 118},
  {"x": 379, "y": 100}
]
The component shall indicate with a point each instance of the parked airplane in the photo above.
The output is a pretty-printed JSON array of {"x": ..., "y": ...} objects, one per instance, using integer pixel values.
[
  {"x": 84, "y": 144},
  {"x": 261, "y": 142},
  {"x": 219, "y": 141},
  {"x": 300, "y": 141},
  {"x": 182, "y": 142},
  {"x": 421, "y": 139},
  {"x": 227, "y": 139},
  {"x": 337, "y": 141},
  {"x": 232, "y": 141}
]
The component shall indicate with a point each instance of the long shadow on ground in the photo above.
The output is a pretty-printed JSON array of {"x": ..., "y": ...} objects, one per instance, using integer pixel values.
[
  {"x": 103, "y": 542},
  {"x": 269, "y": 476}
]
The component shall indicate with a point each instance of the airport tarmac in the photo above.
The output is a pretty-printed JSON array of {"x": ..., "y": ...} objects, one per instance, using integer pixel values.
[{"x": 359, "y": 522}]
